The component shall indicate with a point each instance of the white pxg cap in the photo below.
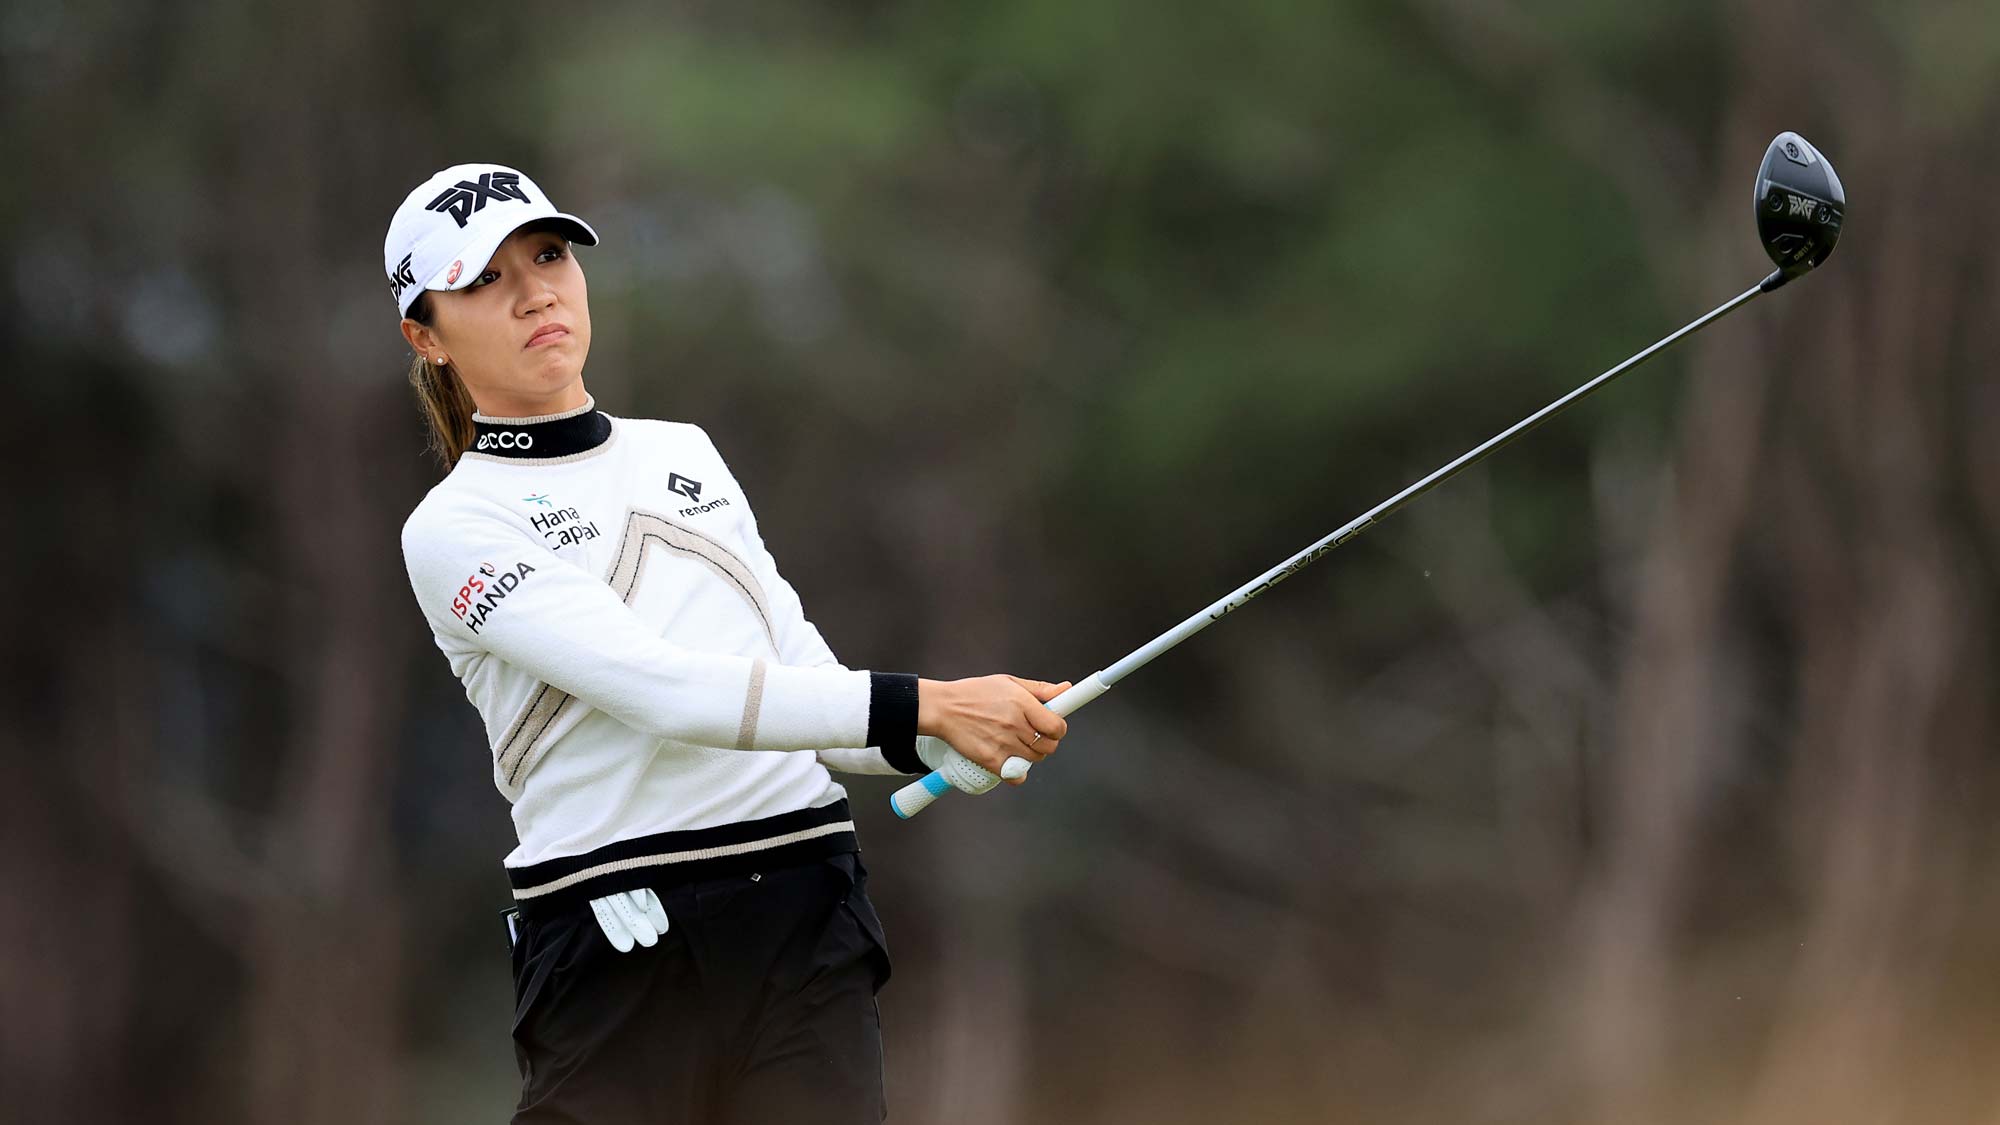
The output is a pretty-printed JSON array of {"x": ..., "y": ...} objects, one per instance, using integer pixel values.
[{"x": 448, "y": 228}]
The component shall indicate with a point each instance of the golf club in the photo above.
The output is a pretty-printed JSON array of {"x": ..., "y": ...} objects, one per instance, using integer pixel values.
[{"x": 1799, "y": 205}]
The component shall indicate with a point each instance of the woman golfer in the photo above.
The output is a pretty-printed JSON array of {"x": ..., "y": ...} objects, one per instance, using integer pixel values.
[{"x": 693, "y": 940}]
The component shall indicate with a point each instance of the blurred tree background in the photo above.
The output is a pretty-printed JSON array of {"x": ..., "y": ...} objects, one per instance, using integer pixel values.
[{"x": 1647, "y": 775}]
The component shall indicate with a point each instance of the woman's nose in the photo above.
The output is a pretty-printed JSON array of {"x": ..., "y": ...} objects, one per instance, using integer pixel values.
[{"x": 537, "y": 296}]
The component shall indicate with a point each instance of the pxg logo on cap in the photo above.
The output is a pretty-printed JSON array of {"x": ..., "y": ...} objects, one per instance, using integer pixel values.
[
  {"x": 449, "y": 226},
  {"x": 461, "y": 199}
]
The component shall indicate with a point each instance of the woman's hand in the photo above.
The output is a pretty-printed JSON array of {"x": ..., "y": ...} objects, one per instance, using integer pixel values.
[{"x": 990, "y": 719}]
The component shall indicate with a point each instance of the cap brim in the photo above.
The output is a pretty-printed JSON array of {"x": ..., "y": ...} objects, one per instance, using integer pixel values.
[{"x": 480, "y": 252}]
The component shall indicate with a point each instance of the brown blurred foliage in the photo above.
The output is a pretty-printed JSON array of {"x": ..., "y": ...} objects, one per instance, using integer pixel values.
[{"x": 1648, "y": 776}]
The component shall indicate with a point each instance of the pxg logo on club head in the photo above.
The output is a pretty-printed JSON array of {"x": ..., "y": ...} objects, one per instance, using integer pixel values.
[{"x": 1800, "y": 205}]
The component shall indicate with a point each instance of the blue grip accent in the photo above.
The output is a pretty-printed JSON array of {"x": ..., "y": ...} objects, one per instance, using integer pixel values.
[{"x": 933, "y": 783}]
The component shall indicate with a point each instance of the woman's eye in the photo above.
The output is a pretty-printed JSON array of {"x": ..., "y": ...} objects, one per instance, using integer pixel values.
[
  {"x": 487, "y": 278},
  {"x": 551, "y": 254}
]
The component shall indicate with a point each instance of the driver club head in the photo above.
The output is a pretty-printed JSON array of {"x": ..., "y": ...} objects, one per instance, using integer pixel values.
[{"x": 1799, "y": 207}]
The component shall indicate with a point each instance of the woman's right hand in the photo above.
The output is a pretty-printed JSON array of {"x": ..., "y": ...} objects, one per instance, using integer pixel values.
[{"x": 990, "y": 719}]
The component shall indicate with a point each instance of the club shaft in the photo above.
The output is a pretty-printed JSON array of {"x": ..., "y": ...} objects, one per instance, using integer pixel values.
[
  {"x": 914, "y": 797},
  {"x": 1148, "y": 652}
]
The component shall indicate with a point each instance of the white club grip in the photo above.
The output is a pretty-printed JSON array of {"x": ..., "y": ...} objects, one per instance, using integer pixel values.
[
  {"x": 917, "y": 796},
  {"x": 966, "y": 775},
  {"x": 956, "y": 771},
  {"x": 962, "y": 773}
]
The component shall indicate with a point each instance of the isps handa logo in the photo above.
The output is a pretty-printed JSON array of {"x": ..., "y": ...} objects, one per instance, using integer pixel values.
[{"x": 484, "y": 590}]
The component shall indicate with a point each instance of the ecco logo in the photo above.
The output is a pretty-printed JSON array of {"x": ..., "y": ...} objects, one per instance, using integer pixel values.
[
  {"x": 401, "y": 278},
  {"x": 506, "y": 439},
  {"x": 462, "y": 199}
]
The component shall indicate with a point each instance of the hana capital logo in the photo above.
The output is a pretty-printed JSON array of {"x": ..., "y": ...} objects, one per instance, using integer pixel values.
[{"x": 560, "y": 525}]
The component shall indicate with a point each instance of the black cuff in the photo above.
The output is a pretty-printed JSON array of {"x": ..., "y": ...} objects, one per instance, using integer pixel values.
[{"x": 892, "y": 719}]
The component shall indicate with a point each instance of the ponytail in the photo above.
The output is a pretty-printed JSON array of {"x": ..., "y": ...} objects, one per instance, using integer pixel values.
[{"x": 446, "y": 404}]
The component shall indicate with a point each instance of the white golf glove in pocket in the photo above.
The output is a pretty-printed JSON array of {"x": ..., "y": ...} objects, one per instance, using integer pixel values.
[{"x": 630, "y": 918}]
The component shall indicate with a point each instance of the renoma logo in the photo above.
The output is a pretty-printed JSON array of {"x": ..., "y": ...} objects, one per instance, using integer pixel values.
[
  {"x": 506, "y": 439},
  {"x": 684, "y": 486},
  {"x": 463, "y": 198},
  {"x": 401, "y": 278}
]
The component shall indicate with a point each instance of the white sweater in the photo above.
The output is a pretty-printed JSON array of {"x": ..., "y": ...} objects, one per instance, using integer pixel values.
[{"x": 653, "y": 694}]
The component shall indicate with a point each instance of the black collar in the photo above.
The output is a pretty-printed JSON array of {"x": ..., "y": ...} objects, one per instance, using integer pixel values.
[{"x": 550, "y": 435}]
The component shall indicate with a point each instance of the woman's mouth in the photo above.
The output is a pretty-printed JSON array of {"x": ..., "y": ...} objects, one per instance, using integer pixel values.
[{"x": 548, "y": 334}]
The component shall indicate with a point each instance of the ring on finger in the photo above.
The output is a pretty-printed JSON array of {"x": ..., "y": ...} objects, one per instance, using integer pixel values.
[{"x": 1037, "y": 738}]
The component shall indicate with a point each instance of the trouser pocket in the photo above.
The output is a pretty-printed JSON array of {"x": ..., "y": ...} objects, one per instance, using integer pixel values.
[
  {"x": 544, "y": 950},
  {"x": 857, "y": 906}
]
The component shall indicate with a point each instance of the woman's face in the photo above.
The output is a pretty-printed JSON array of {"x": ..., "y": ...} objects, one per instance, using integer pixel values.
[{"x": 519, "y": 334}]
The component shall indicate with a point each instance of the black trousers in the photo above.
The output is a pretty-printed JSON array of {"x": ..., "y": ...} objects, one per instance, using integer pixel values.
[{"x": 756, "y": 1006}]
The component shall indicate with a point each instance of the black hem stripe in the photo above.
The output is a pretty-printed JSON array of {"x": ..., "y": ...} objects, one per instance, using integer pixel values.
[
  {"x": 892, "y": 719},
  {"x": 665, "y": 843}
]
